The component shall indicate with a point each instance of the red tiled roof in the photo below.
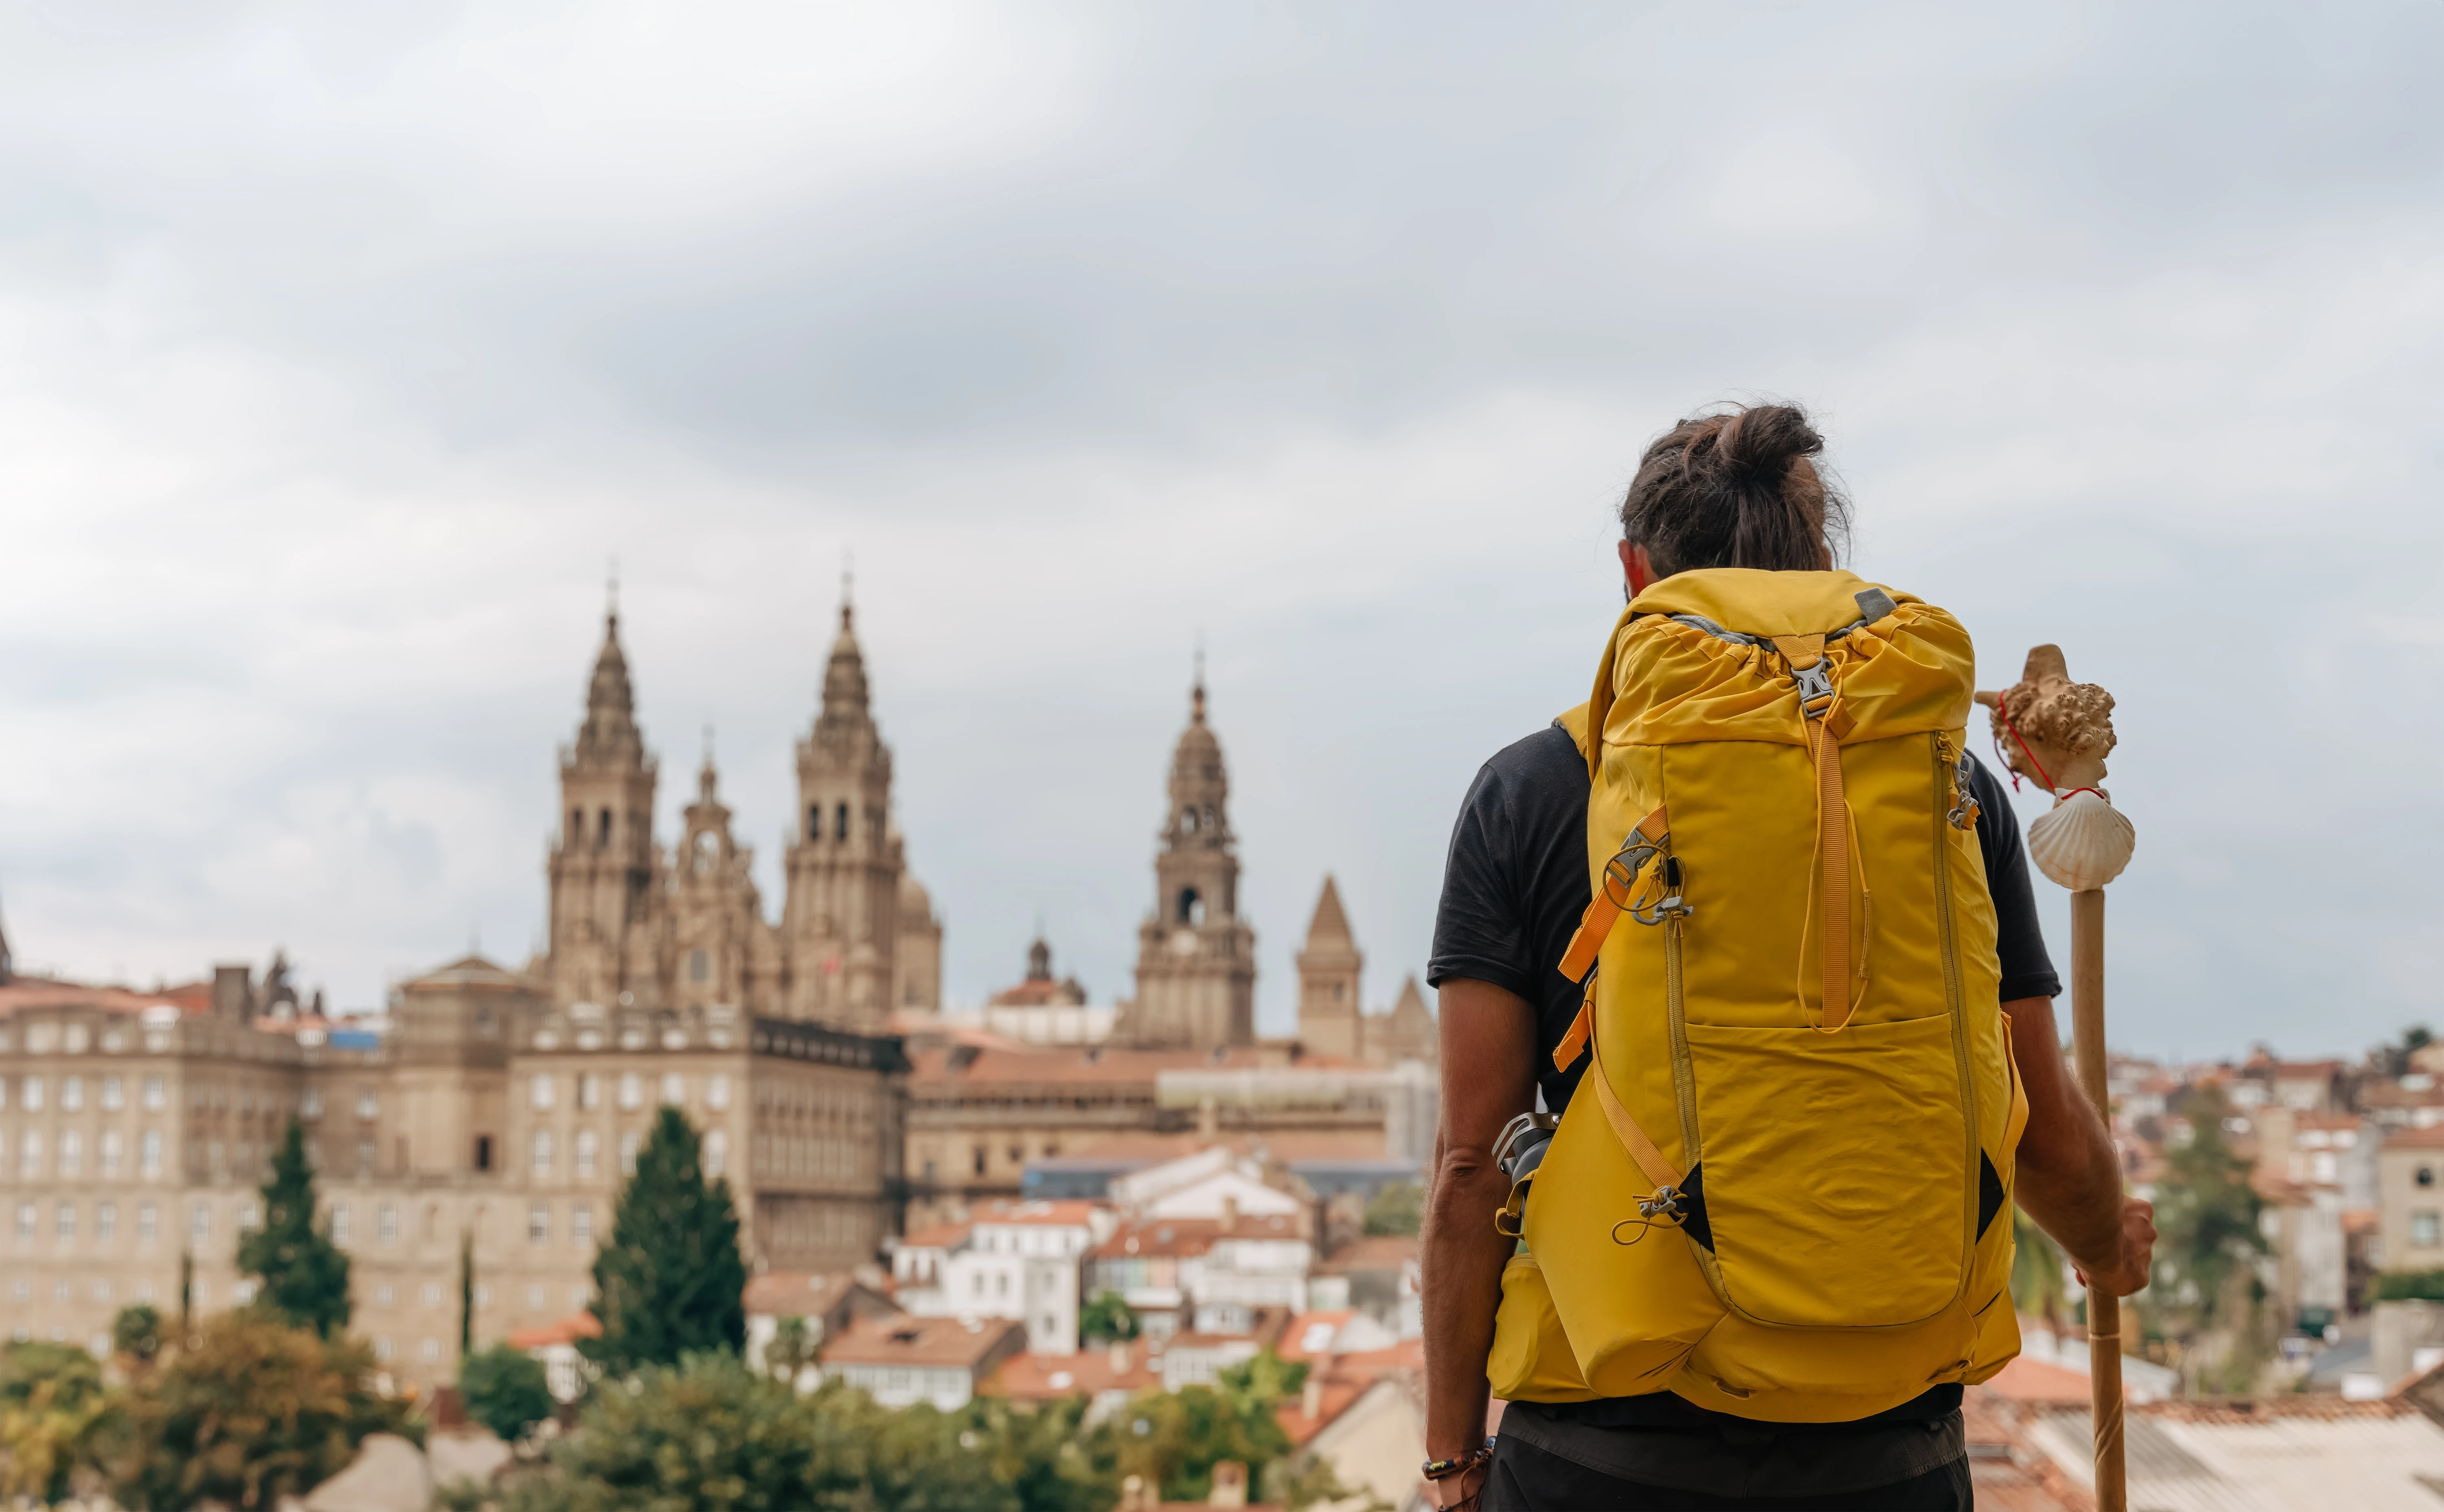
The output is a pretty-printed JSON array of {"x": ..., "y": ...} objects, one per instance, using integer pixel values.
[
  {"x": 2431, "y": 1137},
  {"x": 1046, "y": 1377},
  {"x": 1375, "y": 1252},
  {"x": 2034, "y": 1380},
  {"x": 1173, "y": 1237},
  {"x": 799, "y": 1292},
  {"x": 1066, "y": 1212},
  {"x": 934, "y": 1236},
  {"x": 39, "y": 992},
  {"x": 901, "y": 1339},
  {"x": 566, "y": 1331}
]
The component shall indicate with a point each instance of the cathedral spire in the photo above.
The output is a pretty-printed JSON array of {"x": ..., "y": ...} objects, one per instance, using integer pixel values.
[
  {"x": 609, "y": 735},
  {"x": 846, "y": 698}
]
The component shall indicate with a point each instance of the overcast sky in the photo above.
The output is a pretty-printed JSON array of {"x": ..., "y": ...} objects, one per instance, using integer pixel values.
[{"x": 341, "y": 347}]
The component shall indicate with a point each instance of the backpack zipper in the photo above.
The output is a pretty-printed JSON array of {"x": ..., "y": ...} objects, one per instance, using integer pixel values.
[{"x": 1946, "y": 770}]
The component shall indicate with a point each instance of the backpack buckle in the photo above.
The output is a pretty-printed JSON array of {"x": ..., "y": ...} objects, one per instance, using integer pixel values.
[{"x": 1815, "y": 688}]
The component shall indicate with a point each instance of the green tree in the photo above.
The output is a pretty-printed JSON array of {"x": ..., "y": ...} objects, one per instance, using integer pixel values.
[
  {"x": 250, "y": 1410},
  {"x": 670, "y": 1280},
  {"x": 2205, "y": 1215},
  {"x": 1395, "y": 1209},
  {"x": 1040, "y": 1452},
  {"x": 1174, "y": 1439},
  {"x": 2406, "y": 1286},
  {"x": 466, "y": 1293},
  {"x": 51, "y": 1402},
  {"x": 137, "y": 1333},
  {"x": 505, "y": 1389},
  {"x": 305, "y": 1274},
  {"x": 2037, "y": 1284},
  {"x": 1107, "y": 1317},
  {"x": 790, "y": 1350},
  {"x": 2393, "y": 1060}
]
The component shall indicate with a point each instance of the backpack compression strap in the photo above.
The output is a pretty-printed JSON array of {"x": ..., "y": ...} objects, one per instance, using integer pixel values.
[
  {"x": 1643, "y": 844},
  {"x": 1805, "y": 656}
]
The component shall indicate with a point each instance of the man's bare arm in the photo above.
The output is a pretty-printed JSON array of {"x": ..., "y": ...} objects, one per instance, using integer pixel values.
[
  {"x": 1489, "y": 1078},
  {"x": 2069, "y": 1179}
]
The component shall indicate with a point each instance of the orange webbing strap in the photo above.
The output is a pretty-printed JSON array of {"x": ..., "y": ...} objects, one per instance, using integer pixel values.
[
  {"x": 1833, "y": 846},
  {"x": 1582, "y": 1029},
  {"x": 1625, "y": 1129},
  {"x": 1612, "y": 895}
]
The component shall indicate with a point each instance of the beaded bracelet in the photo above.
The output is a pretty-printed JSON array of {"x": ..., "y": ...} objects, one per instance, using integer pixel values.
[{"x": 1444, "y": 1469}]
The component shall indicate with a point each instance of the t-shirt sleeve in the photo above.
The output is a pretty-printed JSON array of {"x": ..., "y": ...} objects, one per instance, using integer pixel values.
[
  {"x": 2019, "y": 943},
  {"x": 1479, "y": 932}
]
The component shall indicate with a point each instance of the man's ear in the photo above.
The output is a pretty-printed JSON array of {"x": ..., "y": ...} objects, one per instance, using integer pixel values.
[{"x": 1637, "y": 568}]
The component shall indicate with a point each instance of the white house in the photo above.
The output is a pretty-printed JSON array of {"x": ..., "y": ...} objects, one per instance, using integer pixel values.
[{"x": 1015, "y": 1260}]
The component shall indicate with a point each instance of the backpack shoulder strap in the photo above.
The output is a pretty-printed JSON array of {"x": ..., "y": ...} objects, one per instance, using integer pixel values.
[{"x": 1575, "y": 721}]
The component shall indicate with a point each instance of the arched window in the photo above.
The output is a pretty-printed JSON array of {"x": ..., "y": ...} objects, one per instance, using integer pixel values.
[
  {"x": 603, "y": 835},
  {"x": 840, "y": 820},
  {"x": 1192, "y": 908},
  {"x": 814, "y": 821},
  {"x": 577, "y": 826},
  {"x": 1187, "y": 821}
]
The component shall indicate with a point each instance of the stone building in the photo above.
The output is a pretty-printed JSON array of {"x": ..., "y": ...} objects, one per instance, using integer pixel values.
[
  {"x": 633, "y": 924},
  {"x": 500, "y": 1110},
  {"x": 1330, "y": 1021},
  {"x": 1197, "y": 957}
]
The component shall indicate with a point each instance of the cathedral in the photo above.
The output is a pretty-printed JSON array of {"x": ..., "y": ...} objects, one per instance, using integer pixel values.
[{"x": 634, "y": 925}]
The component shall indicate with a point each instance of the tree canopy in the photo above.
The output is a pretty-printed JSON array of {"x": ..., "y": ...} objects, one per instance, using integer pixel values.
[
  {"x": 304, "y": 1273},
  {"x": 670, "y": 1280},
  {"x": 251, "y": 1410},
  {"x": 505, "y": 1389},
  {"x": 52, "y": 1401}
]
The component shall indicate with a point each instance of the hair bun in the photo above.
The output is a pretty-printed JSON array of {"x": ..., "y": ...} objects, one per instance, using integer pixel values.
[{"x": 1759, "y": 445}]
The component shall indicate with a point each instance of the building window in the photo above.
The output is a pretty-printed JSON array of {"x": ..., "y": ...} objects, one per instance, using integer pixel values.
[
  {"x": 154, "y": 1098},
  {"x": 980, "y": 1160},
  {"x": 2427, "y": 1176},
  {"x": 71, "y": 1152},
  {"x": 2424, "y": 1230},
  {"x": 717, "y": 1092},
  {"x": 699, "y": 965},
  {"x": 538, "y": 1225},
  {"x": 428, "y": 1350},
  {"x": 386, "y": 1223},
  {"x": 717, "y": 1152},
  {"x": 148, "y": 1151},
  {"x": 383, "y": 1295},
  {"x": 26, "y": 1220},
  {"x": 34, "y": 1095},
  {"x": 539, "y": 1091},
  {"x": 1192, "y": 908},
  {"x": 602, "y": 832},
  {"x": 674, "y": 1089},
  {"x": 71, "y": 1094},
  {"x": 148, "y": 1223},
  {"x": 586, "y": 1141},
  {"x": 483, "y": 1152},
  {"x": 65, "y": 1220},
  {"x": 113, "y": 1145},
  {"x": 199, "y": 1223},
  {"x": 368, "y": 1104},
  {"x": 114, "y": 1093},
  {"x": 248, "y": 1218},
  {"x": 310, "y": 1105},
  {"x": 534, "y": 1296},
  {"x": 632, "y": 1090},
  {"x": 339, "y": 1223},
  {"x": 381, "y": 1349},
  {"x": 581, "y": 1224},
  {"x": 628, "y": 1152},
  {"x": 839, "y": 822},
  {"x": 814, "y": 821},
  {"x": 105, "y": 1222},
  {"x": 542, "y": 1153},
  {"x": 364, "y": 1157},
  {"x": 589, "y": 1090}
]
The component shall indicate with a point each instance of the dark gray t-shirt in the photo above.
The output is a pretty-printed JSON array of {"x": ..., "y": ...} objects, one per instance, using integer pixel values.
[{"x": 1514, "y": 885}]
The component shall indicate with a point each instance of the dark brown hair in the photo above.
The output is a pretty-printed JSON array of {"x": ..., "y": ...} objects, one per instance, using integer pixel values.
[{"x": 1736, "y": 488}]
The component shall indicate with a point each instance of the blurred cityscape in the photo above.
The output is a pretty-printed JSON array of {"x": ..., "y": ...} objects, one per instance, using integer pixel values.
[{"x": 1061, "y": 1199}]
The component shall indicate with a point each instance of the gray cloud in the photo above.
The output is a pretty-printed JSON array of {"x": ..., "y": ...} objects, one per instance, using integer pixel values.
[{"x": 338, "y": 351}]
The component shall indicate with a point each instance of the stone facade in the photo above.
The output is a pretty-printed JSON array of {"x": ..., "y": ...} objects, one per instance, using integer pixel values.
[
  {"x": 1197, "y": 957},
  {"x": 636, "y": 926}
]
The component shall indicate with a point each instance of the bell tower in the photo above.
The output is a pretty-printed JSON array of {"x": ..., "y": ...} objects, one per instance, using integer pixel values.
[
  {"x": 602, "y": 868},
  {"x": 840, "y": 923},
  {"x": 1329, "y": 970},
  {"x": 1197, "y": 959}
]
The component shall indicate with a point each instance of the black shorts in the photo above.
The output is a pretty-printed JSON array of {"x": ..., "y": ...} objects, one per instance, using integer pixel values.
[{"x": 1524, "y": 1478}]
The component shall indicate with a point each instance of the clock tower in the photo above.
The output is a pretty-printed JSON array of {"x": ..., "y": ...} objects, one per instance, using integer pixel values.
[{"x": 1197, "y": 958}]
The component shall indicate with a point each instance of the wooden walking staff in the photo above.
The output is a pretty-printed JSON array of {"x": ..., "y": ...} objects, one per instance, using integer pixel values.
[{"x": 2057, "y": 732}]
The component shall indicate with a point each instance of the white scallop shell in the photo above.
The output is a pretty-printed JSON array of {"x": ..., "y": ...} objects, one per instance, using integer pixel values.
[{"x": 2081, "y": 843}]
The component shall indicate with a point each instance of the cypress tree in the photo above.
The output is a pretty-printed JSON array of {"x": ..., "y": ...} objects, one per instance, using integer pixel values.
[
  {"x": 304, "y": 1275},
  {"x": 466, "y": 1294},
  {"x": 670, "y": 1282}
]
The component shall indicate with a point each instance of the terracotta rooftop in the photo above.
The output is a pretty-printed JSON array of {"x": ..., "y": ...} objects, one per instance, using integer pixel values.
[
  {"x": 41, "y": 992},
  {"x": 2429, "y": 1138},
  {"x": 1286, "y": 1147},
  {"x": 1067, "y": 1213},
  {"x": 1175, "y": 1238},
  {"x": 796, "y": 1292},
  {"x": 1374, "y": 1252},
  {"x": 566, "y": 1331},
  {"x": 1048, "y": 1378},
  {"x": 901, "y": 1339},
  {"x": 934, "y": 1236}
]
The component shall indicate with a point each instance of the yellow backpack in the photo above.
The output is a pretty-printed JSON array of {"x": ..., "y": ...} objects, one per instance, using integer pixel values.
[{"x": 1782, "y": 1189}]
